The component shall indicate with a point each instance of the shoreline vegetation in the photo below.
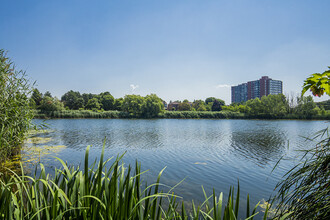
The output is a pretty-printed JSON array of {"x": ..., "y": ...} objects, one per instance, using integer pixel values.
[
  {"x": 101, "y": 191},
  {"x": 75, "y": 105},
  {"x": 224, "y": 114}
]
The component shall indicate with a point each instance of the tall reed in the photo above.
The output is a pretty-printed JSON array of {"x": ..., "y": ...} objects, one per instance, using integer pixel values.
[
  {"x": 102, "y": 191},
  {"x": 15, "y": 113}
]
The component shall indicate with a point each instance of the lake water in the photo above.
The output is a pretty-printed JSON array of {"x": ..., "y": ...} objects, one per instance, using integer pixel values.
[{"x": 209, "y": 153}]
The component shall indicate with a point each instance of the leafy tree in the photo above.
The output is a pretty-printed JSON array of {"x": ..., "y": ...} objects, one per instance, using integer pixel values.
[
  {"x": 201, "y": 108},
  {"x": 48, "y": 94},
  {"x": 306, "y": 106},
  {"x": 269, "y": 106},
  {"x": 255, "y": 106},
  {"x": 209, "y": 100},
  {"x": 199, "y": 105},
  {"x": 184, "y": 106},
  {"x": 86, "y": 97},
  {"x": 152, "y": 106},
  {"x": 118, "y": 104},
  {"x": 93, "y": 104},
  {"x": 36, "y": 97},
  {"x": 212, "y": 99},
  {"x": 107, "y": 101},
  {"x": 51, "y": 104},
  {"x": 73, "y": 100},
  {"x": 133, "y": 105},
  {"x": 216, "y": 106}
]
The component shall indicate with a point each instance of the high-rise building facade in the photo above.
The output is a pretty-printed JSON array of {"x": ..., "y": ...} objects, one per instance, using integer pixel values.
[{"x": 256, "y": 89}]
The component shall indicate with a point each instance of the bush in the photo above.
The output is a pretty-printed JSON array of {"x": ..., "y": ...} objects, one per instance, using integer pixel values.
[{"x": 15, "y": 112}]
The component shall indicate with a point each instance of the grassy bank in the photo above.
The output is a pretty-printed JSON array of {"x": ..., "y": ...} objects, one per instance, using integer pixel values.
[
  {"x": 173, "y": 114},
  {"x": 102, "y": 191}
]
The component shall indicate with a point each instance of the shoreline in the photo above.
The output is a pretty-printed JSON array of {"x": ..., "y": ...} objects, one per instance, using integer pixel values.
[{"x": 85, "y": 114}]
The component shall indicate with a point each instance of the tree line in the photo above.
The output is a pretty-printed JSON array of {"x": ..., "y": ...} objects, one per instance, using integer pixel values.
[
  {"x": 138, "y": 106},
  {"x": 150, "y": 106}
]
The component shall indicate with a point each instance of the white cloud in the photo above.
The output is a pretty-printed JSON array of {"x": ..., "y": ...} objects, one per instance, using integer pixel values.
[
  {"x": 134, "y": 87},
  {"x": 223, "y": 86}
]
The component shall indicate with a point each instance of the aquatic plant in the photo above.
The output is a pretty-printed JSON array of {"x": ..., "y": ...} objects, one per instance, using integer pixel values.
[
  {"x": 105, "y": 191},
  {"x": 304, "y": 193}
]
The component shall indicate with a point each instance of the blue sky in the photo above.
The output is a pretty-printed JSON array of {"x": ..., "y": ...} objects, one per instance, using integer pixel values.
[{"x": 184, "y": 49}]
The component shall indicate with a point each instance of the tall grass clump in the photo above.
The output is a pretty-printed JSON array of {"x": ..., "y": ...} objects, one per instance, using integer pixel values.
[
  {"x": 104, "y": 191},
  {"x": 305, "y": 191},
  {"x": 15, "y": 113}
]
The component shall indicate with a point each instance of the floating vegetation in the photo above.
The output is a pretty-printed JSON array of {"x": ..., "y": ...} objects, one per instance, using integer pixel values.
[
  {"x": 265, "y": 207},
  {"x": 201, "y": 163},
  {"x": 29, "y": 157},
  {"x": 35, "y": 153},
  {"x": 38, "y": 140},
  {"x": 34, "y": 132}
]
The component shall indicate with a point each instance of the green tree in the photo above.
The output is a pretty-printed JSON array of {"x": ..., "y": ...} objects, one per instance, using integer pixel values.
[
  {"x": 118, "y": 104},
  {"x": 133, "y": 105},
  {"x": 184, "y": 106},
  {"x": 209, "y": 103},
  {"x": 107, "y": 101},
  {"x": 209, "y": 100},
  {"x": 73, "y": 100},
  {"x": 93, "y": 104},
  {"x": 255, "y": 106},
  {"x": 306, "y": 106},
  {"x": 86, "y": 97},
  {"x": 36, "y": 97},
  {"x": 15, "y": 112},
  {"x": 216, "y": 106},
  {"x": 51, "y": 104},
  {"x": 201, "y": 108},
  {"x": 199, "y": 105},
  {"x": 48, "y": 94},
  {"x": 152, "y": 106},
  {"x": 212, "y": 99}
]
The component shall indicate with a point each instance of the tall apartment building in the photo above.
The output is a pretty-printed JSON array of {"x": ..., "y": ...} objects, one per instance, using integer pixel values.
[{"x": 256, "y": 89}]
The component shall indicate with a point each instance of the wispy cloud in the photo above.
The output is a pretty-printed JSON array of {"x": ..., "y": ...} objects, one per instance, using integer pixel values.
[
  {"x": 134, "y": 87},
  {"x": 223, "y": 86}
]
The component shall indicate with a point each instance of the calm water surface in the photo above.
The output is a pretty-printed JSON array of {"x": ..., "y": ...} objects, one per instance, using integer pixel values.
[{"x": 209, "y": 153}]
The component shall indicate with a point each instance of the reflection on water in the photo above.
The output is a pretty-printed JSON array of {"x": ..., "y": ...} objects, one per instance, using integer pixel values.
[
  {"x": 212, "y": 153},
  {"x": 259, "y": 145}
]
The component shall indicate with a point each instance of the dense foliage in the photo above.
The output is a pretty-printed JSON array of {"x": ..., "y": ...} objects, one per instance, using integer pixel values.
[
  {"x": 15, "y": 112},
  {"x": 278, "y": 106}
]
